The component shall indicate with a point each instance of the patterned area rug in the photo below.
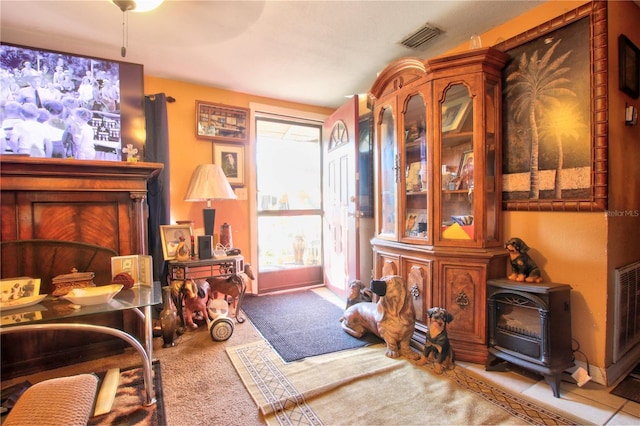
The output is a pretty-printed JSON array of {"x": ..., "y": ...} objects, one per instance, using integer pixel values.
[
  {"x": 128, "y": 406},
  {"x": 363, "y": 386}
]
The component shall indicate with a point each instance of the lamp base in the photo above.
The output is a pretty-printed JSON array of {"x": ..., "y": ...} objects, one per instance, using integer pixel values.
[{"x": 209, "y": 220}]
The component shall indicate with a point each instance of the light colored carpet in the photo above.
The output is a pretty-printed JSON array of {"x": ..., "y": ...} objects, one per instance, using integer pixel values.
[
  {"x": 200, "y": 386},
  {"x": 364, "y": 387}
]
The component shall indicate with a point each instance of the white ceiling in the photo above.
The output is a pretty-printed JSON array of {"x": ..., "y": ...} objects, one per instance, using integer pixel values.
[{"x": 314, "y": 52}]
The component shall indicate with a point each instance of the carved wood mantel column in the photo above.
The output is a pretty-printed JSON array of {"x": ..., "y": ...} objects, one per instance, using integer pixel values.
[{"x": 139, "y": 221}]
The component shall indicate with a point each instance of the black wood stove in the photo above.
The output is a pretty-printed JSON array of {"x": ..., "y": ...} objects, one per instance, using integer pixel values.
[{"x": 530, "y": 326}]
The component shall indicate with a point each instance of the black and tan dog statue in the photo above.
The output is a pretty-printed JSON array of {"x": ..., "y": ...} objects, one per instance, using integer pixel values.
[
  {"x": 392, "y": 318},
  {"x": 358, "y": 293},
  {"x": 523, "y": 268},
  {"x": 437, "y": 348}
]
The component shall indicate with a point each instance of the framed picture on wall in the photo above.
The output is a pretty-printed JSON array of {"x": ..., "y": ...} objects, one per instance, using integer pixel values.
[
  {"x": 629, "y": 67},
  {"x": 231, "y": 159},
  {"x": 550, "y": 164},
  {"x": 222, "y": 122}
]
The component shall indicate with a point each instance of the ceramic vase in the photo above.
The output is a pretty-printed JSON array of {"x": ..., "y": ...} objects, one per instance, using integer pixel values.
[
  {"x": 168, "y": 319},
  {"x": 298, "y": 249}
]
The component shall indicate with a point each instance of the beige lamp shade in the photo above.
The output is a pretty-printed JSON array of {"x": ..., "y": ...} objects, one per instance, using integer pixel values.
[{"x": 208, "y": 182}]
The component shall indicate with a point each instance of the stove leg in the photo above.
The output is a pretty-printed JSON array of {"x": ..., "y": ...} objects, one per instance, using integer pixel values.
[
  {"x": 554, "y": 381},
  {"x": 495, "y": 364}
]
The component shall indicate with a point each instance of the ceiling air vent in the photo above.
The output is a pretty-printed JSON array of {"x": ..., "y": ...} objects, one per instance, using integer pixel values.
[{"x": 420, "y": 37}]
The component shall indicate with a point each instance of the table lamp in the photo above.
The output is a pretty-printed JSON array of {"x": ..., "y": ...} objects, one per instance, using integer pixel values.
[{"x": 208, "y": 182}]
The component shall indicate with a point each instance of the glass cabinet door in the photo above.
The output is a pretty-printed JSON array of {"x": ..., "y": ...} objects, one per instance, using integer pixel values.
[
  {"x": 388, "y": 173},
  {"x": 492, "y": 156},
  {"x": 414, "y": 163},
  {"x": 457, "y": 166}
]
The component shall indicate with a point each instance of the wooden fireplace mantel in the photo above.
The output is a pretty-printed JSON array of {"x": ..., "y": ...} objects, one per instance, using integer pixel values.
[
  {"x": 96, "y": 202},
  {"x": 55, "y": 174},
  {"x": 41, "y": 194}
]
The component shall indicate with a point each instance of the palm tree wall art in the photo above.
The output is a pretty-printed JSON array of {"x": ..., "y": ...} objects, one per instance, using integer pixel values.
[
  {"x": 555, "y": 105},
  {"x": 546, "y": 101}
]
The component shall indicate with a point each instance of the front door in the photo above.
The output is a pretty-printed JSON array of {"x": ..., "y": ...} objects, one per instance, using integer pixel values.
[{"x": 341, "y": 198}]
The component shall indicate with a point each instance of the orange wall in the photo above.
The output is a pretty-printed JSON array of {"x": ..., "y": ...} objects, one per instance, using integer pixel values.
[
  {"x": 186, "y": 151},
  {"x": 555, "y": 237},
  {"x": 581, "y": 249},
  {"x": 624, "y": 156}
]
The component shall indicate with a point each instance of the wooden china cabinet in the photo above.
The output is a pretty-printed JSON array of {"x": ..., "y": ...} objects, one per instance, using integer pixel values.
[{"x": 438, "y": 187}]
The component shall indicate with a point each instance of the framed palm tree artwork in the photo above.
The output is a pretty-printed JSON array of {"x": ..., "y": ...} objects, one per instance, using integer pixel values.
[{"x": 554, "y": 93}]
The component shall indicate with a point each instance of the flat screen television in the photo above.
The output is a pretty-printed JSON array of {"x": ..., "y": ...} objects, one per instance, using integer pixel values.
[{"x": 63, "y": 105}]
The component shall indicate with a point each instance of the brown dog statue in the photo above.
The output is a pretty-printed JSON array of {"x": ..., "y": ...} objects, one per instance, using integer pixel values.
[
  {"x": 232, "y": 286},
  {"x": 523, "y": 268},
  {"x": 392, "y": 318},
  {"x": 358, "y": 293},
  {"x": 437, "y": 348},
  {"x": 194, "y": 299}
]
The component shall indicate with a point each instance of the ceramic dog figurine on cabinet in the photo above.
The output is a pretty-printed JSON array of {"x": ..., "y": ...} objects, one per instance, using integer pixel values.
[
  {"x": 523, "y": 268},
  {"x": 437, "y": 348}
]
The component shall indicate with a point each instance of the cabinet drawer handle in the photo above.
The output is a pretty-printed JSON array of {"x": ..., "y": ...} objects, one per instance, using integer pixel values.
[
  {"x": 462, "y": 300},
  {"x": 415, "y": 291}
]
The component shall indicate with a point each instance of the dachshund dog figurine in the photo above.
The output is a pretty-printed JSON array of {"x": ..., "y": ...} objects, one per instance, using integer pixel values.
[
  {"x": 523, "y": 268},
  {"x": 358, "y": 293},
  {"x": 392, "y": 318},
  {"x": 437, "y": 348}
]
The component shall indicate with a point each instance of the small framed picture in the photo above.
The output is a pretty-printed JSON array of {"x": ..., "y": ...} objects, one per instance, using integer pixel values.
[
  {"x": 415, "y": 223},
  {"x": 138, "y": 266},
  {"x": 16, "y": 288},
  {"x": 629, "y": 67},
  {"x": 222, "y": 122},
  {"x": 454, "y": 113},
  {"x": 171, "y": 236},
  {"x": 231, "y": 159}
]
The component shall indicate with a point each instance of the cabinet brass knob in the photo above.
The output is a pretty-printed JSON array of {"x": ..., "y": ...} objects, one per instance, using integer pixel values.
[{"x": 462, "y": 300}]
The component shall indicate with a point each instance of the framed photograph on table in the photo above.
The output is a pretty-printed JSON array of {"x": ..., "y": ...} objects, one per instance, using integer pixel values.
[
  {"x": 137, "y": 265},
  {"x": 222, "y": 122},
  {"x": 231, "y": 159},
  {"x": 170, "y": 235},
  {"x": 15, "y": 288}
]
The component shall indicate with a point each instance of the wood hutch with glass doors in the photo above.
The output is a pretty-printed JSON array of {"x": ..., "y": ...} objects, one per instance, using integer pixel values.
[{"x": 437, "y": 158}]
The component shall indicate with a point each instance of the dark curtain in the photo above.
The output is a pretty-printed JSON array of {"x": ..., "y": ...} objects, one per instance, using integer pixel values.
[{"x": 157, "y": 151}]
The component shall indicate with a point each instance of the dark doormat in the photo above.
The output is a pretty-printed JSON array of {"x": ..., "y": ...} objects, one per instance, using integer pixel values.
[
  {"x": 629, "y": 387},
  {"x": 301, "y": 324}
]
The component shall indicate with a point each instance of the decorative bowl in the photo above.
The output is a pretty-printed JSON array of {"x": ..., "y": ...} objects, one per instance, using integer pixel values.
[
  {"x": 463, "y": 220},
  {"x": 93, "y": 295}
]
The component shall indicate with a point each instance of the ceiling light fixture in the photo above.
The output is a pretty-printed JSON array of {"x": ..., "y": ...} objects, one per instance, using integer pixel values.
[{"x": 136, "y": 6}]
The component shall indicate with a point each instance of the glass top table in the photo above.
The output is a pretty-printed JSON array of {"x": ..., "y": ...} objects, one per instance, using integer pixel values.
[
  {"x": 56, "y": 308},
  {"x": 45, "y": 314}
]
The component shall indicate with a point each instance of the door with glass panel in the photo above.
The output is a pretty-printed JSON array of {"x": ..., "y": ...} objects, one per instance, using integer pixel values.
[{"x": 289, "y": 204}]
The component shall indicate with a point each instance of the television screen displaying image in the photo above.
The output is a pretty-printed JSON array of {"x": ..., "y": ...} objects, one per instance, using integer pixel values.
[{"x": 61, "y": 105}]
